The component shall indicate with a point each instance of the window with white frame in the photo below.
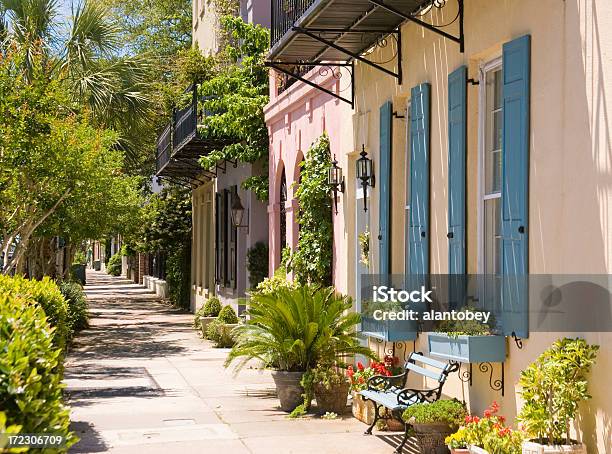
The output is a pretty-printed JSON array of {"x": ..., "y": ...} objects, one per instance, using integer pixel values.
[{"x": 491, "y": 124}]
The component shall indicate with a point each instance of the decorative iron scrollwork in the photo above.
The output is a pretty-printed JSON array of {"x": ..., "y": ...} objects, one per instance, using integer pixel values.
[
  {"x": 517, "y": 340},
  {"x": 466, "y": 376}
]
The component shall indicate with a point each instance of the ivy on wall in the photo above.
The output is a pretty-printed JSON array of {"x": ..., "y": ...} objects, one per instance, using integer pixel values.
[{"x": 311, "y": 262}]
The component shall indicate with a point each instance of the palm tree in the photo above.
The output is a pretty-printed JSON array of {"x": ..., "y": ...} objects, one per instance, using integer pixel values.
[{"x": 86, "y": 54}]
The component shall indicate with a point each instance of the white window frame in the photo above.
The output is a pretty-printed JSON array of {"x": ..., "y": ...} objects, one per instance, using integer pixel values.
[{"x": 485, "y": 68}]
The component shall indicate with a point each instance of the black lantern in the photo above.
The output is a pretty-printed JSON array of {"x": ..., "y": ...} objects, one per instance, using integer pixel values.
[
  {"x": 365, "y": 173},
  {"x": 238, "y": 213},
  {"x": 335, "y": 180}
]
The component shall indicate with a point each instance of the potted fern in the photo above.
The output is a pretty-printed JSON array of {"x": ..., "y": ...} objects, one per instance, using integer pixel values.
[
  {"x": 553, "y": 386},
  {"x": 292, "y": 331}
]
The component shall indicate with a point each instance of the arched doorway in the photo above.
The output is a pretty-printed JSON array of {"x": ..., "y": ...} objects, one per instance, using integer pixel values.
[{"x": 283, "y": 212}]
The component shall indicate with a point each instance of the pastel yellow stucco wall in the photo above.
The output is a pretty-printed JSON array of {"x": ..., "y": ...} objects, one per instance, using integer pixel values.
[{"x": 570, "y": 188}]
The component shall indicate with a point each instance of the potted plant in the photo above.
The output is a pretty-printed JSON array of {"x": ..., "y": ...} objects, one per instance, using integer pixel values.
[
  {"x": 329, "y": 386},
  {"x": 486, "y": 435},
  {"x": 552, "y": 387},
  {"x": 220, "y": 329},
  {"x": 294, "y": 330},
  {"x": 433, "y": 422},
  {"x": 206, "y": 314},
  {"x": 467, "y": 340}
]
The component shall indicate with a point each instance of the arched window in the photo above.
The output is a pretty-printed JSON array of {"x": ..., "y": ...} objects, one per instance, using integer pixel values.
[{"x": 283, "y": 211}]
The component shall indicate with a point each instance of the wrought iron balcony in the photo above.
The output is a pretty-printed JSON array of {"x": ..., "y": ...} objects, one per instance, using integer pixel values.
[{"x": 180, "y": 145}]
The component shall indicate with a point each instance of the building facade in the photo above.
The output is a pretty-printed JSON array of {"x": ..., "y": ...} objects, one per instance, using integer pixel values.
[{"x": 490, "y": 146}]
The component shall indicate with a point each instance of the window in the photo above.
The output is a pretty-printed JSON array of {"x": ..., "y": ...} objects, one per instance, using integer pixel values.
[
  {"x": 491, "y": 123},
  {"x": 283, "y": 212}
]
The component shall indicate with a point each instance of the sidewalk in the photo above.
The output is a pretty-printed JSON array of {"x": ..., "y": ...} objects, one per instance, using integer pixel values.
[{"x": 141, "y": 381}]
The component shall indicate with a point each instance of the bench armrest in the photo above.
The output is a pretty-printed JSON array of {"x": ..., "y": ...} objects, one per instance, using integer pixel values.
[
  {"x": 384, "y": 382},
  {"x": 407, "y": 396}
]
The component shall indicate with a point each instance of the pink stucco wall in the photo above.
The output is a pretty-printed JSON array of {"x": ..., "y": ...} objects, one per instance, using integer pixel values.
[{"x": 295, "y": 119}]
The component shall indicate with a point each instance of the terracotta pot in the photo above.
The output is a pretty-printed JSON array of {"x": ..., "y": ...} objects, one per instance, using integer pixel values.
[
  {"x": 333, "y": 399},
  {"x": 288, "y": 389},
  {"x": 430, "y": 437},
  {"x": 459, "y": 451},
  {"x": 362, "y": 410},
  {"x": 533, "y": 447}
]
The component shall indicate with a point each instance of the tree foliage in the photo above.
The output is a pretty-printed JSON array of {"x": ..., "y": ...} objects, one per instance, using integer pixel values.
[
  {"x": 237, "y": 94},
  {"x": 58, "y": 172}
]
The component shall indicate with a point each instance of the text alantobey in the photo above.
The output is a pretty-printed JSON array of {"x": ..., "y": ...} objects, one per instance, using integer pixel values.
[{"x": 384, "y": 294}]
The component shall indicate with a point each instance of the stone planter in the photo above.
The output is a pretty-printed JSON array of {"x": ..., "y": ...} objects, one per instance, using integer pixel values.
[
  {"x": 430, "y": 437},
  {"x": 161, "y": 288},
  {"x": 532, "y": 447},
  {"x": 333, "y": 399},
  {"x": 204, "y": 322},
  {"x": 288, "y": 389},
  {"x": 362, "y": 410},
  {"x": 468, "y": 349}
]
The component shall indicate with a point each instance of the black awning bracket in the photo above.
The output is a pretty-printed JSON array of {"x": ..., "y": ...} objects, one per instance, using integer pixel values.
[
  {"x": 283, "y": 67},
  {"x": 434, "y": 28},
  {"x": 317, "y": 35}
]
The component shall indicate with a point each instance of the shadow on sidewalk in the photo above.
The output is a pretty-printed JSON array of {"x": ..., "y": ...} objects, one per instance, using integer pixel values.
[{"x": 90, "y": 439}]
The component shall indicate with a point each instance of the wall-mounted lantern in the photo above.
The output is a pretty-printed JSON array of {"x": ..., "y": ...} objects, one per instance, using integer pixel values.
[
  {"x": 238, "y": 213},
  {"x": 335, "y": 180},
  {"x": 365, "y": 173}
]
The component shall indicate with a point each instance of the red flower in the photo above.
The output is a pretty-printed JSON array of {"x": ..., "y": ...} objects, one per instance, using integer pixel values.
[
  {"x": 359, "y": 366},
  {"x": 475, "y": 419},
  {"x": 361, "y": 380},
  {"x": 468, "y": 419},
  {"x": 487, "y": 413}
]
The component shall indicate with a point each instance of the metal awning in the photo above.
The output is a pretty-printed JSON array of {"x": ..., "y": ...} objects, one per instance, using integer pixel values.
[{"x": 311, "y": 33}]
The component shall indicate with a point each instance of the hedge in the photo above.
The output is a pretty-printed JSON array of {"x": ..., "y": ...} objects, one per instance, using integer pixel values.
[
  {"x": 78, "y": 316},
  {"x": 47, "y": 295},
  {"x": 113, "y": 266},
  {"x": 30, "y": 369}
]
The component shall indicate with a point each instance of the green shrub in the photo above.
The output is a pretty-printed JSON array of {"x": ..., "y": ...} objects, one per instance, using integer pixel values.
[
  {"x": 114, "y": 265},
  {"x": 79, "y": 258},
  {"x": 219, "y": 333},
  {"x": 228, "y": 315},
  {"x": 178, "y": 276},
  {"x": 257, "y": 263},
  {"x": 47, "y": 295},
  {"x": 212, "y": 307},
  {"x": 30, "y": 369},
  {"x": 272, "y": 284},
  {"x": 451, "y": 412},
  {"x": 78, "y": 316}
]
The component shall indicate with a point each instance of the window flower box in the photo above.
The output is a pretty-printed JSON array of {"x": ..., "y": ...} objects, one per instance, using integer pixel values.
[
  {"x": 389, "y": 330},
  {"x": 468, "y": 349}
]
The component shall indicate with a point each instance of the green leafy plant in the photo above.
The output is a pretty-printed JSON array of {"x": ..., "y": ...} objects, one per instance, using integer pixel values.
[
  {"x": 79, "y": 258},
  {"x": 220, "y": 334},
  {"x": 489, "y": 432},
  {"x": 456, "y": 328},
  {"x": 47, "y": 295},
  {"x": 296, "y": 329},
  {"x": 364, "y": 245},
  {"x": 114, "y": 265},
  {"x": 553, "y": 386},
  {"x": 271, "y": 284},
  {"x": 211, "y": 307},
  {"x": 259, "y": 185},
  {"x": 228, "y": 315},
  {"x": 7, "y": 431},
  {"x": 451, "y": 412},
  {"x": 257, "y": 263},
  {"x": 78, "y": 315},
  {"x": 30, "y": 369},
  {"x": 311, "y": 262},
  {"x": 178, "y": 269}
]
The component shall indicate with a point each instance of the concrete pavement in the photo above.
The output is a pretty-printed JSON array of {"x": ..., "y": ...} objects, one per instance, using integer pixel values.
[{"x": 140, "y": 380}]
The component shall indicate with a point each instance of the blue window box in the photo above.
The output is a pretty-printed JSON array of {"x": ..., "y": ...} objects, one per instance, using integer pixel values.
[
  {"x": 468, "y": 349},
  {"x": 389, "y": 330}
]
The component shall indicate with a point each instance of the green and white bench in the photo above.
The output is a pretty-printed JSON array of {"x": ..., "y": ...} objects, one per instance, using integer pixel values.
[{"x": 391, "y": 392}]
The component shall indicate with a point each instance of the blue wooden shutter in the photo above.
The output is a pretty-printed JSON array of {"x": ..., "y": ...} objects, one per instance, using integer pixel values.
[
  {"x": 419, "y": 180},
  {"x": 384, "y": 234},
  {"x": 456, "y": 170},
  {"x": 515, "y": 176}
]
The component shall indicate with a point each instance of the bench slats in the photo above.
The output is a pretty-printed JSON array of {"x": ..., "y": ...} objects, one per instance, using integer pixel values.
[
  {"x": 429, "y": 361},
  {"x": 422, "y": 371}
]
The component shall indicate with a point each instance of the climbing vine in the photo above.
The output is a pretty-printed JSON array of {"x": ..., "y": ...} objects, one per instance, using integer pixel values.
[{"x": 311, "y": 261}]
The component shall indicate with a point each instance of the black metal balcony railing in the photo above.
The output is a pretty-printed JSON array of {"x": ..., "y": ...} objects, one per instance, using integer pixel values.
[
  {"x": 284, "y": 15},
  {"x": 164, "y": 147},
  {"x": 185, "y": 124}
]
